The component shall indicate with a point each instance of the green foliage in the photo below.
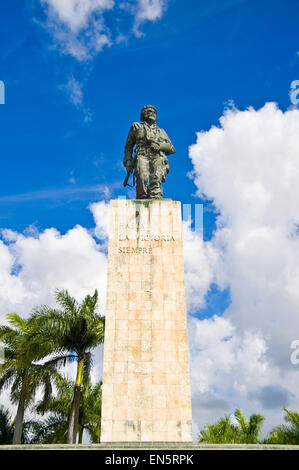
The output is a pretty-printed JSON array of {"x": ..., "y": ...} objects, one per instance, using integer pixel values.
[
  {"x": 6, "y": 427},
  {"x": 19, "y": 361},
  {"x": 226, "y": 432},
  {"x": 54, "y": 428},
  {"x": 286, "y": 434},
  {"x": 70, "y": 332},
  {"x": 90, "y": 412},
  {"x": 220, "y": 433},
  {"x": 19, "y": 371},
  {"x": 74, "y": 327}
]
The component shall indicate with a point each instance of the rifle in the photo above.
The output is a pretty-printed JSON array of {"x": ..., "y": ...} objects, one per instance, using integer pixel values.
[
  {"x": 129, "y": 173},
  {"x": 127, "y": 178}
]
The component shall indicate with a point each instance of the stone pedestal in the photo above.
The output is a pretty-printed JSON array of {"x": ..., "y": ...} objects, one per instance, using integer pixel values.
[{"x": 146, "y": 387}]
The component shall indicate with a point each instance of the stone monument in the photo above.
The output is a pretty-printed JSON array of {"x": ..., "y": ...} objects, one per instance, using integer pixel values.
[{"x": 146, "y": 385}]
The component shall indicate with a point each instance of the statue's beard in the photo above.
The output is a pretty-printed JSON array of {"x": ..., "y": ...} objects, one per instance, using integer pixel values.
[{"x": 151, "y": 119}]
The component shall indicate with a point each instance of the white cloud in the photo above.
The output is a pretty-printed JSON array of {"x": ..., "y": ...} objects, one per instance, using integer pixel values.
[
  {"x": 34, "y": 264},
  {"x": 74, "y": 90},
  {"x": 148, "y": 10},
  {"x": 249, "y": 167},
  {"x": 72, "y": 179},
  {"x": 201, "y": 260},
  {"x": 78, "y": 29},
  {"x": 100, "y": 212},
  {"x": 78, "y": 26},
  {"x": 76, "y": 13},
  {"x": 67, "y": 192}
]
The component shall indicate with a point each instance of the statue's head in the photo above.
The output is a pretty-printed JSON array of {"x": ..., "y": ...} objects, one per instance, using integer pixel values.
[{"x": 148, "y": 114}]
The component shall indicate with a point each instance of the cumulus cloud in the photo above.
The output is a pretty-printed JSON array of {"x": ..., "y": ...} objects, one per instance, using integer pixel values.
[
  {"x": 33, "y": 264},
  {"x": 100, "y": 211},
  {"x": 198, "y": 280},
  {"x": 249, "y": 167},
  {"x": 273, "y": 396},
  {"x": 225, "y": 363}
]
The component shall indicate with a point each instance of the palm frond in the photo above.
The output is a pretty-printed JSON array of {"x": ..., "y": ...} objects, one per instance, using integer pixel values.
[
  {"x": 66, "y": 301},
  {"x": 89, "y": 304},
  {"x": 61, "y": 360},
  {"x": 7, "y": 378},
  {"x": 292, "y": 417},
  {"x": 8, "y": 335},
  {"x": 17, "y": 321},
  {"x": 6, "y": 431}
]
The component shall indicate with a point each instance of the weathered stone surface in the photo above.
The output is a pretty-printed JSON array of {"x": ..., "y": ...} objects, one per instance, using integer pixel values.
[{"x": 146, "y": 388}]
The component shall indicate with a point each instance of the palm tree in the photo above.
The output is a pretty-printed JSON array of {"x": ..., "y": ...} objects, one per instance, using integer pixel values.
[
  {"x": 19, "y": 369},
  {"x": 221, "y": 432},
  {"x": 249, "y": 430},
  {"x": 90, "y": 412},
  {"x": 71, "y": 332},
  {"x": 6, "y": 427},
  {"x": 225, "y": 432},
  {"x": 286, "y": 434},
  {"x": 54, "y": 428}
]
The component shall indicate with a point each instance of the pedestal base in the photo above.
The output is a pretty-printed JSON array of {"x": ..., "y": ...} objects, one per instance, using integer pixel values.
[{"x": 146, "y": 388}]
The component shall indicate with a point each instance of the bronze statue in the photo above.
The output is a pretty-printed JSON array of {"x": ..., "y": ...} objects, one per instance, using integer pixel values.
[{"x": 150, "y": 162}]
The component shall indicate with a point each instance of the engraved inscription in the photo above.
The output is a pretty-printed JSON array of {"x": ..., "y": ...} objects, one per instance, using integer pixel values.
[
  {"x": 140, "y": 250},
  {"x": 166, "y": 237}
]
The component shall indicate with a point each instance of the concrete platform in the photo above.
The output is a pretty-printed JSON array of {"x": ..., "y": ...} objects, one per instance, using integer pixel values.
[{"x": 159, "y": 446}]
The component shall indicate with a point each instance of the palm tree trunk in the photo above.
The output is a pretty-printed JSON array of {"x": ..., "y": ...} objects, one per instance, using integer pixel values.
[
  {"x": 74, "y": 413},
  {"x": 19, "y": 420},
  {"x": 80, "y": 435}
]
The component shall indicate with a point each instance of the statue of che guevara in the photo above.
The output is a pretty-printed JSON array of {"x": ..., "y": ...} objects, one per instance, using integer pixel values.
[{"x": 150, "y": 162}]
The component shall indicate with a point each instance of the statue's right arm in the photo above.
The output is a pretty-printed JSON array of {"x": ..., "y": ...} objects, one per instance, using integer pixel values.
[{"x": 131, "y": 141}]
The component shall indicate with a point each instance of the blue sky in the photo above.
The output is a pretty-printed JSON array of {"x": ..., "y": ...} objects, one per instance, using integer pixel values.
[
  {"x": 190, "y": 64},
  {"x": 70, "y": 101}
]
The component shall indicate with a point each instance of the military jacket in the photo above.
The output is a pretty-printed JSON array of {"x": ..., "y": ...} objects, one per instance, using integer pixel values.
[{"x": 142, "y": 135}]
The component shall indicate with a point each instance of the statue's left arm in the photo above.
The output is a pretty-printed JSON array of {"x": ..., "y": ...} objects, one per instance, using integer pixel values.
[{"x": 165, "y": 144}]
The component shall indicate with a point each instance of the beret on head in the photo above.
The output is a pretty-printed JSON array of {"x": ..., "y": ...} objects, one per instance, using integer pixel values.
[{"x": 147, "y": 107}]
